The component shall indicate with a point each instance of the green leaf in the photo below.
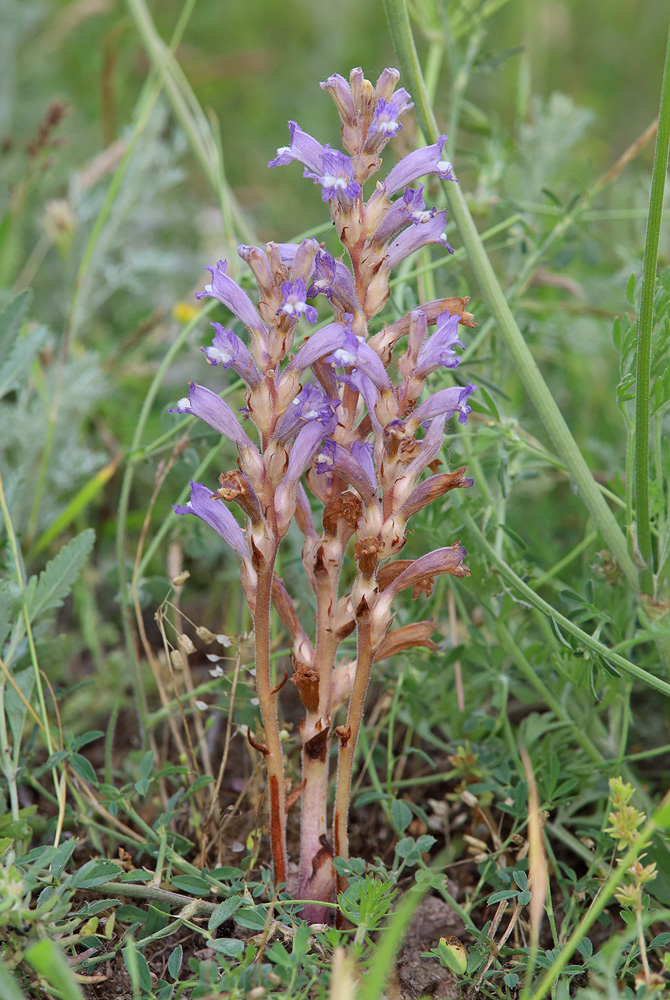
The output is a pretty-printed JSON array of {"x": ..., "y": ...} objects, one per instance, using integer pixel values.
[
  {"x": 252, "y": 919},
  {"x": 138, "y": 968},
  {"x": 224, "y": 911},
  {"x": 497, "y": 897},
  {"x": 9, "y": 989},
  {"x": 57, "y": 578},
  {"x": 10, "y": 321},
  {"x": 6, "y": 612},
  {"x": 15, "y": 708},
  {"x": 84, "y": 768},
  {"x": 146, "y": 764},
  {"x": 521, "y": 879},
  {"x": 174, "y": 961},
  {"x": 192, "y": 884},
  {"x": 63, "y": 854},
  {"x": 21, "y": 356},
  {"x": 425, "y": 842},
  {"x": 49, "y": 961},
  {"x": 230, "y": 947},
  {"x": 94, "y": 873},
  {"x": 402, "y": 814}
]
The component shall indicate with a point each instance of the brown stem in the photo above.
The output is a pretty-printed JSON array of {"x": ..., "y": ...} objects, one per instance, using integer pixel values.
[
  {"x": 316, "y": 869},
  {"x": 349, "y": 737},
  {"x": 267, "y": 699}
]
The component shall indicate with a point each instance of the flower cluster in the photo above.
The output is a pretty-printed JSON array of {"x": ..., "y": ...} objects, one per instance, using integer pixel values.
[{"x": 330, "y": 420}]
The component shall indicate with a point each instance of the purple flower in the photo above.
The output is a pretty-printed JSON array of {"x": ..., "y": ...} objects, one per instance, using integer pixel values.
[
  {"x": 333, "y": 279},
  {"x": 303, "y": 147},
  {"x": 336, "y": 177},
  {"x": 309, "y": 404},
  {"x": 340, "y": 91},
  {"x": 428, "y": 160},
  {"x": 355, "y": 353},
  {"x": 316, "y": 346},
  {"x": 304, "y": 449},
  {"x": 363, "y": 451},
  {"x": 412, "y": 239},
  {"x": 411, "y": 208},
  {"x": 387, "y": 113},
  {"x": 365, "y": 386},
  {"x": 214, "y": 513},
  {"x": 213, "y": 410},
  {"x": 294, "y": 302},
  {"x": 444, "y": 402},
  {"x": 359, "y": 474},
  {"x": 229, "y": 351},
  {"x": 299, "y": 256},
  {"x": 439, "y": 348},
  {"x": 228, "y": 292}
]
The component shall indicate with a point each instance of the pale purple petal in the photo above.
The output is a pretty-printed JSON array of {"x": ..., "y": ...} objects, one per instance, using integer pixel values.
[
  {"x": 439, "y": 348},
  {"x": 368, "y": 390},
  {"x": 355, "y": 353},
  {"x": 334, "y": 458},
  {"x": 333, "y": 279},
  {"x": 229, "y": 351},
  {"x": 340, "y": 91},
  {"x": 320, "y": 343},
  {"x": 363, "y": 452},
  {"x": 447, "y": 402},
  {"x": 387, "y": 113},
  {"x": 207, "y": 406},
  {"x": 428, "y": 160},
  {"x": 303, "y": 147},
  {"x": 416, "y": 237},
  {"x": 294, "y": 302},
  {"x": 410, "y": 209},
  {"x": 309, "y": 404},
  {"x": 215, "y": 513},
  {"x": 336, "y": 177},
  {"x": 231, "y": 295}
]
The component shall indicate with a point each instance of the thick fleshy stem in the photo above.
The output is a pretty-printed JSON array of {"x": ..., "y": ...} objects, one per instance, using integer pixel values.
[
  {"x": 348, "y": 736},
  {"x": 267, "y": 700},
  {"x": 317, "y": 878}
]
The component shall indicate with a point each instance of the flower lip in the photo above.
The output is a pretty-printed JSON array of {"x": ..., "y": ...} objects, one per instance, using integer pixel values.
[
  {"x": 294, "y": 302},
  {"x": 229, "y": 351},
  {"x": 428, "y": 160},
  {"x": 216, "y": 515},
  {"x": 336, "y": 177},
  {"x": 211, "y": 409}
]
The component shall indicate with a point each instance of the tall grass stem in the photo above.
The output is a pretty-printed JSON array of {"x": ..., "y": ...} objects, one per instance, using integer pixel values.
[{"x": 644, "y": 330}]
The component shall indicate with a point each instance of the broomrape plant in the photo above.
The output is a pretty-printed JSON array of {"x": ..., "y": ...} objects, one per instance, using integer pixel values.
[{"x": 329, "y": 421}]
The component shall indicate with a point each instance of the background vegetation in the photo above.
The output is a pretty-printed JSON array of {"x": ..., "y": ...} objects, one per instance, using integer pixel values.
[{"x": 131, "y": 810}]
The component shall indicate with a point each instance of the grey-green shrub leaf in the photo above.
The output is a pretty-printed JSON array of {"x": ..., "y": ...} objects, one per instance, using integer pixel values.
[{"x": 57, "y": 578}]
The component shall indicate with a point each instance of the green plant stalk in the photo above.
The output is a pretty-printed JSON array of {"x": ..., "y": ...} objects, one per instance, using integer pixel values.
[
  {"x": 645, "y": 328},
  {"x": 660, "y": 820},
  {"x": 566, "y": 446},
  {"x": 584, "y": 638}
]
